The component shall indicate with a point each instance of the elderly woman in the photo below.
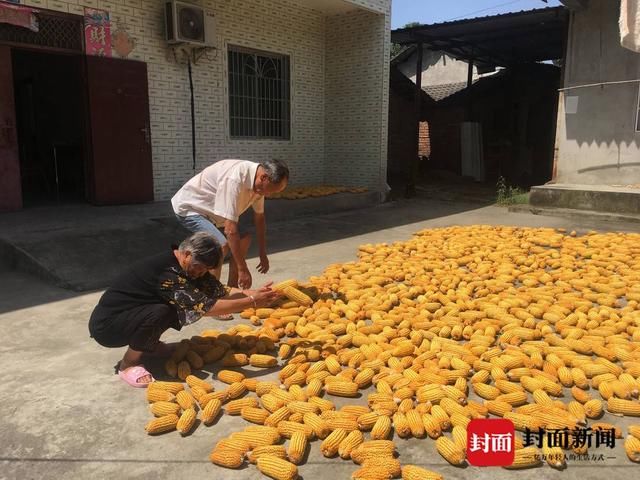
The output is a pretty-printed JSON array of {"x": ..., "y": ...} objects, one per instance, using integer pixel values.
[{"x": 165, "y": 291}]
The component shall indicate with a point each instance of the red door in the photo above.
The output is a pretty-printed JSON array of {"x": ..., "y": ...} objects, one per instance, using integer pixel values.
[
  {"x": 10, "y": 189},
  {"x": 120, "y": 170}
]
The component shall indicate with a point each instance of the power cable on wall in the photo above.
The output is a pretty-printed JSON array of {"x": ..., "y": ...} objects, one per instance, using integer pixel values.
[{"x": 193, "y": 118}]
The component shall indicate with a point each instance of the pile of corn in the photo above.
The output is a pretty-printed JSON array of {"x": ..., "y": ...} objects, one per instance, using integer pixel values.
[
  {"x": 294, "y": 193},
  {"x": 531, "y": 325}
]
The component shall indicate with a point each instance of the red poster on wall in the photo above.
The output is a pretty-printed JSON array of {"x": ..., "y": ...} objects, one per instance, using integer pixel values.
[{"x": 97, "y": 32}]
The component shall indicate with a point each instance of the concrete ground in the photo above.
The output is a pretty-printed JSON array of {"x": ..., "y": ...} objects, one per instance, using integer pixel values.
[{"x": 65, "y": 415}]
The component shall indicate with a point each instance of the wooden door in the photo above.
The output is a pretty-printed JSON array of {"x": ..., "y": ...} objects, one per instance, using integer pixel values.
[
  {"x": 10, "y": 188},
  {"x": 120, "y": 170}
]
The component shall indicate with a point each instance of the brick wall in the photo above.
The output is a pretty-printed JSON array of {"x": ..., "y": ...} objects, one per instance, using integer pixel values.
[
  {"x": 280, "y": 26},
  {"x": 424, "y": 141},
  {"x": 357, "y": 93}
]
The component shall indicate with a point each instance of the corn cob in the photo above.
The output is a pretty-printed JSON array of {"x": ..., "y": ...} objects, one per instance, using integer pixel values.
[
  {"x": 287, "y": 428},
  {"x": 187, "y": 421},
  {"x": 274, "y": 450},
  {"x": 235, "y": 407},
  {"x": 158, "y": 395},
  {"x": 211, "y": 411},
  {"x": 412, "y": 472},
  {"x": 624, "y": 407},
  {"x": 331, "y": 444},
  {"x": 235, "y": 360},
  {"x": 194, "y": 360},
  {"x": 632, "y": 448},
  {"x": 229, "y": 376},
  {"x": 554, "y": 456},
  {"x": 237, "y": 445},
  {"x": 451, "y": 452},
  {"x": 318, "y": 425},
  {"x": 171, "y": 368},
  {"x": 207, "y": 397},
  {"x": 351, "y": 441},
  {"x": 293, "y": 294},
  {"x": 342, "y": 389},
  {"x": 184, "y": 370},
  {"x": 401, "y": 425},
  {"x": 263, "y": 361},
  {"x": 634, "y": 430},
  {"x": 160, "y": 409},
  {"x": 185, "y": 400},
  {"x": 162, "y": 424},
  {"x": 346, "y": 423},
  {"x": 297, "y": 447},
  {"x": 371, "y": 473},
  {"x": 459, "y": 435},
  {"x": 388, "y": 465},
  {"x": 173, "y": 387},
  {"x": 373, "y": 449},
  {"x": 236, "y": 390},
  {"x": 278, "y": 415},
  {"x": 194, "y": 381},
  {"x": 226, "y": 458},
  {"x": 254, "y": 415},
  {"x": 382, "y": 428},
  {"x": 287, "y": 283},
  {"x": 256, "y": 438}
]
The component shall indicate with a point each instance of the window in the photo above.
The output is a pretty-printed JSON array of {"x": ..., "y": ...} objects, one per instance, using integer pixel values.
[{"x": 259, "y": 104}]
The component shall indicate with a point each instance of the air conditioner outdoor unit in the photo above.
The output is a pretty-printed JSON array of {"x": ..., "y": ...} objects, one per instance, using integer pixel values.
[{"x": 187, "y": 23}]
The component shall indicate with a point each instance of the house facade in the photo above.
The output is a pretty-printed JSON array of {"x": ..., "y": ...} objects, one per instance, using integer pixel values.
[
  {"x": 598, "y": 134},
  {"x": 308, "y": 112}
]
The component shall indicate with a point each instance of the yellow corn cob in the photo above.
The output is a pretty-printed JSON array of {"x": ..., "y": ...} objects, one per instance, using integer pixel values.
[
  {"x": 162, "y": 424},
  {"x": 581, "y": 395},
  {"x": 278, "y": 415},
  {"x": 346, "y": 423},
  {"x": 257, "y": 438},
  {"x": 207, "y": 397},
  {"x": 498, "y": 408},
  {"x": 298, "y": 393},
  {"x": 197, "y": 393},
  {"x": 226, "y": 458},
  {"x": 342, "y": 389},
  {"x": 554, "y": 456},
  {"x": 160, "y": 409},
  {"x": 158, "y": 395},
  {"x": 274, "y": 450},
  {"x": 415, "y": 424},
  {"x": 526, "y": 458},
  {"x": 240, "y": 446},
  {"x": 302, "y": 407},
  {"x": 412, "y": 472},
  {"x": 431, "y": 425},
  {"x": 371, "y": 473},
  {"x": 577, "y": 410},
  {"x": 318, "y": 425},
  {"x": 263, "y": 388},
  {"x": 607, "y": 426},
  {"x": 401, "y": 425},
  {"x": 184, "y": 370},
  {"x": 194, "y": 381},
  {"x": 351, "y": 441},
  {"x": 254, "y": 415},
  {"x": 194, "y": 360},
  {"x": 211, "y": 411},
  {"x": 187, "y": 421},
  {"x": 235, "y": 407},
  {"x": 634, "y": 430},
  {"x": 451, "y": 452},
  {"x": 373, "y": 449},
  {"x": 185, "y": 400},
  {"x": 287, "y": 428},
  {"x": 229, "y": 376},
  {"x": 382, "y": 428},
  {"x": 235, "y": 360},
  {"x": 331, "y": 444},
  {"x": 297, "y": 447},
  {"x": 293, "y": 294},
  {"x": 593, "y": 408},
  {"x": 263, "y": 361},
  {"x": 514, "y": 398},
  {"x": 173, "y": 387},
  {"x": 632, "y": 448},
  {"x": 439, "y": 414},
  {"x": 236, "y": 390},
  {"x": 488, "y": 392},
  {"x": 287, "y": 283},
  {"x": 363, "y": 379},
  {"x": 389, "y": 465},
  {"x": 624, "y": 407}
]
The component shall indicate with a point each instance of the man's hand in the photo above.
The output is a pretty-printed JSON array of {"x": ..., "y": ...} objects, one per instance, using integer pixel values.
[
  {"x": 244, "y": 278},
  {"x": 263, "y": 266}
]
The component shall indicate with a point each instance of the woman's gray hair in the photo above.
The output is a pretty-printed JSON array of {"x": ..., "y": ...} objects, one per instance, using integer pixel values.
[
  {"x": 276, "y": 170},
  {"x": 204, "y": 248}
]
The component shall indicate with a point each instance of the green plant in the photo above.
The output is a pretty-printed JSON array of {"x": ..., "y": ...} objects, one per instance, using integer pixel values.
[{"x": 509, "y": 195}]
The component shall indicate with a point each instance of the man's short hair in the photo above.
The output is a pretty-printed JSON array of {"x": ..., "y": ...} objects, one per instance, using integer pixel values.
[
  {"x": 276, "y": 170},
  {"x": 204, "y": 249}
]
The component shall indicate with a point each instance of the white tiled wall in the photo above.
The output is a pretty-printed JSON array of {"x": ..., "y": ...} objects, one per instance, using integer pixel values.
[{"x": 338, "y": 110}]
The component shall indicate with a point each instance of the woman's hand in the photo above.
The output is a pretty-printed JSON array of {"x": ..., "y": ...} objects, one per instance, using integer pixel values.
[{"x": 264, "y": 296}]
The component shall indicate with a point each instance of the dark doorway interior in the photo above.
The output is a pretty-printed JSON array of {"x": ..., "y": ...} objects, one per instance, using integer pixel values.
[{"x": 50, "y": 116}]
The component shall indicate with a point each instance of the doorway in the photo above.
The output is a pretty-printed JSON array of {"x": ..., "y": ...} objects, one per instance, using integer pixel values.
[{"x": 51, "y": 126}]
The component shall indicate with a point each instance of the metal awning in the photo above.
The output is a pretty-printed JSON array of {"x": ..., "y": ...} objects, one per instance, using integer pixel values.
[{"x": 498, "y": 40}]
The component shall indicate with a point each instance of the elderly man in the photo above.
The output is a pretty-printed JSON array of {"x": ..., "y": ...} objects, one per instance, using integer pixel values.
[
  {"x": 169, "y": 290},
  {"x": 213, "y": 201}
]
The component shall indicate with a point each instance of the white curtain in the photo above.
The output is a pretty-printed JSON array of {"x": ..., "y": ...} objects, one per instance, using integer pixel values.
[{"x": 630, "y": 24}]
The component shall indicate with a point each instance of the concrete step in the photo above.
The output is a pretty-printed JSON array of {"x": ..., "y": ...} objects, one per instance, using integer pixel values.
[
  {"x": 578, "y": 215},
  {"x": 594, "y": 198}
]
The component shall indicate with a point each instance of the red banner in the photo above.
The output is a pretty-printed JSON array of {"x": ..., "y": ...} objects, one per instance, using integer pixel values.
[
  {"x": 19, "y": 16},
  {"x": 97, "y": 32}
]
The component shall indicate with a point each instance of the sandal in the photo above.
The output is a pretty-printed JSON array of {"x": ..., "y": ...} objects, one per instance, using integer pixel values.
[{"x": 131, "y": 375}]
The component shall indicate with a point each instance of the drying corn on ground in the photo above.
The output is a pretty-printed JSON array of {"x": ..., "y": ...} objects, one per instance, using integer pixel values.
[
  {"x": 294, "y": 193},
  {"x": 538, "y": 326}
]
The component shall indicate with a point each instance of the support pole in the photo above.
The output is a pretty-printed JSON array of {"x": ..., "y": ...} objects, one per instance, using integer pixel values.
[{"x": 414, "y": 166}]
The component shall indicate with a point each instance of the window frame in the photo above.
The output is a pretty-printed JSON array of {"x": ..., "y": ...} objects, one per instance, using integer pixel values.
[{"x": 286, "y": 96}]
